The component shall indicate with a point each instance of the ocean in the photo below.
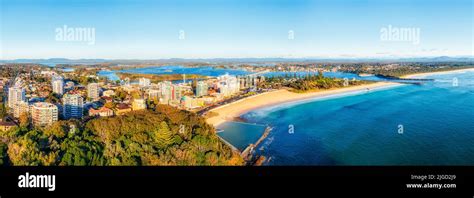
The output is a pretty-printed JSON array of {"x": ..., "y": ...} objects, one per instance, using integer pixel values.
[{"x": 430, "y": 124}]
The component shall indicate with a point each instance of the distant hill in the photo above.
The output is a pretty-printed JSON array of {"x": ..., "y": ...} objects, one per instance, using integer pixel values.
[{"x": 239, "y": 60}]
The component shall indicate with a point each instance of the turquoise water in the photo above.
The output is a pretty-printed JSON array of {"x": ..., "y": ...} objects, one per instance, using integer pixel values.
[
  {"x": 241, "y": 134},
  {"x": 108, "y": 74},
  {"x": 365, "y": 128}
]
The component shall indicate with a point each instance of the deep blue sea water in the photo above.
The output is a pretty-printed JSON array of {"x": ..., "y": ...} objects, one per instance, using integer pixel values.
[{"x": 431, "y": 124}]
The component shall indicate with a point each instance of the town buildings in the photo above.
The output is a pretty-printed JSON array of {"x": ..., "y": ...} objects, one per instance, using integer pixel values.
[
  {"x": 15, "y": 94},
  {"x": 201, "y": 89},
  {"x": 73, "y": 106},
  {"x": 5, "y": 126},
  {"x": 138, "y": 104},
  {"x": 144, "y": 82},
  {"x": 43, "y": 113},
  {"x": 122, "y": 108},
  {"x": 228, "y": 85},
  {"x": 20, "y": 108},
  {"x": 102, "y": 112},
  {"x": 93, "y": 91},
  {"x": 57, "y": 84}
]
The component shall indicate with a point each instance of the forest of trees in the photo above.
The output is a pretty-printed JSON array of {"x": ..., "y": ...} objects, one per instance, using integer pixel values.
[
  {"x": 164, "y": 136},
  {"x": 308, "y": 82}
]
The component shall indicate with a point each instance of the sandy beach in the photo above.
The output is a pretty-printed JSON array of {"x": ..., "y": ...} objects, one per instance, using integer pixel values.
[
  {"x": 430, "y": 73},
  {"x": 233, "y": 110}
]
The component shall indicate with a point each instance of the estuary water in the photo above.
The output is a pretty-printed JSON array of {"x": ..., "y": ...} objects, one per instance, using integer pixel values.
[
  {"x": 175, "y": 69},
  {"x": 213, "y": 72}
]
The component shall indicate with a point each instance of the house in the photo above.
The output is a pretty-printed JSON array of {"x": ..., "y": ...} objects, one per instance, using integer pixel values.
[
  {"x": 138, "y": 104},
  {"x": 106, "y": 99},
  {"x": 102, "y": 112},
  {"x": 108, "y": 93},
  {"x": 122, "y": 108},
  {"x": 5, "y": 126}
]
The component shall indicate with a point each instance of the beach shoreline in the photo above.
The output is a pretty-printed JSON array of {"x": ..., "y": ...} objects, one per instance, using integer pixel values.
[
  {"x": 230, "y": 112},
  {"x": 435, "y": 73},
  {"x": 234, "y": 110}
]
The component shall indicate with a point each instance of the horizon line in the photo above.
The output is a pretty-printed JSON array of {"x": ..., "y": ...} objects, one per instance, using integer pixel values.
[{"x": 275, "y": 57}]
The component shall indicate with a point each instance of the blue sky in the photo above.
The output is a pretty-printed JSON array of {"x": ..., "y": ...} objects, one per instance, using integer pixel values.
[{"x": 127, "y": 29}]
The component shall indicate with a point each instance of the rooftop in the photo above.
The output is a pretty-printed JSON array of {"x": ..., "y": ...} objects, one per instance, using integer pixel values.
[
  {"x": 122, "y": 106},
  {"x": 44, "y": 105},
  {"x": 3, "y": 123}
]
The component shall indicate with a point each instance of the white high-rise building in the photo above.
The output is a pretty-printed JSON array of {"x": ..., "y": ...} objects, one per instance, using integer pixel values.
[
  {"x": 58, "y": 85},
  {"x": 177, "y": 92},
  {"x": 43, "y": 113},
  {"x": 153, "y": 94},
  {"x": 201, "y": 88},
  {"x": 93, "y": 91},
  {"x": 73, "y": 106},
  {"x": 20, "y": 108},
  {"x": 166, "y": 89},
  {"x": 228, "y": 84},
  {"x": 144, "y": 82},
  {"x": 16, "y": 94}
]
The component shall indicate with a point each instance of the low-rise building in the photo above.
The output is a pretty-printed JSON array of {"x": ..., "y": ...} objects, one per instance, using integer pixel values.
[
  {"x": 190, "y": 102},
  {"x": 106, "y": 99},
  {"x": 102, "y": 112},
  {"x": 108, "y": 93},
  {"x": 122, "y": 108},
  {"x": 5, "y": 126},
  {"x": 138, "y": 104}
]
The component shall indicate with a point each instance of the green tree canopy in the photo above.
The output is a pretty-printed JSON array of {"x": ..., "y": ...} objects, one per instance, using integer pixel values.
[{"x": 163, "y": 135}]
